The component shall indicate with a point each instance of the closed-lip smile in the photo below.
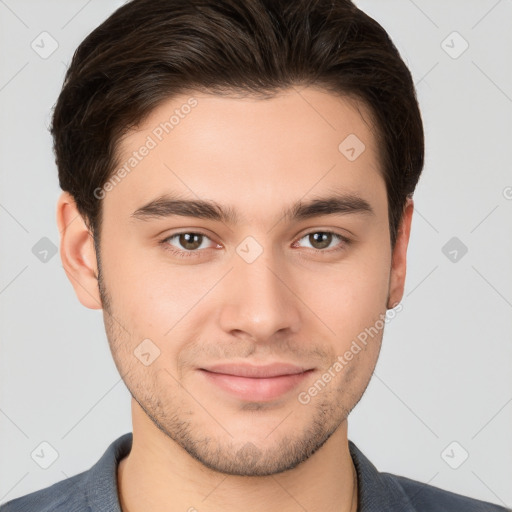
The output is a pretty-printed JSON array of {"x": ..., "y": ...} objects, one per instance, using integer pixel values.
[{"x": 256, "y": 382}]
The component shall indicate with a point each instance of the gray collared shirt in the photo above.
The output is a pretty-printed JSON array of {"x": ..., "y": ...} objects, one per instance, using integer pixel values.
[{"x": 95, "y": 490}]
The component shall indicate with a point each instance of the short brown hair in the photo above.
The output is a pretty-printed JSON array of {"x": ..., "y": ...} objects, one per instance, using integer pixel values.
[{"x": 148, "y": 51}]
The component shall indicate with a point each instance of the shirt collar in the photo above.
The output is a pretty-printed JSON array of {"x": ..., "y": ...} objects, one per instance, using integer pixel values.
[
  {"x": 377, "y": 492},
  {"x": 100, "y": 484}
]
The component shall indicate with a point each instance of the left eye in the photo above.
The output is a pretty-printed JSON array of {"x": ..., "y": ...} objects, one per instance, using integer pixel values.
[{"x": 320, "y": 240}]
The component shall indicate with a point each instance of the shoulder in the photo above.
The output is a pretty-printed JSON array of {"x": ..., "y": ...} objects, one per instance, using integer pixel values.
[
  {"x": 387, "y": 492},
  {"x": 64, "y": 496},
  {"x": 93, "y": 490},
  {"x": 427, "y": 498}
]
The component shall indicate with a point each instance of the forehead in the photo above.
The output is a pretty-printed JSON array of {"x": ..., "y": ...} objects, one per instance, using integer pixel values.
[{"x": 249, "y": 151}]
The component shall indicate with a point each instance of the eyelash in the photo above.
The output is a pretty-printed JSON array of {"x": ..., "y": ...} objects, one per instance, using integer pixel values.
[{"x": 197, "y": 252}]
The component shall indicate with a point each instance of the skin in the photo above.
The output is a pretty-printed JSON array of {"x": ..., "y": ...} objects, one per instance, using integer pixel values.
[{"x": 194, "y": 445}]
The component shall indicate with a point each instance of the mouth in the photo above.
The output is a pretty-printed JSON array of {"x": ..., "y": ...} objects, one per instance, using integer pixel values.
[{"x": 256, "y": 383}]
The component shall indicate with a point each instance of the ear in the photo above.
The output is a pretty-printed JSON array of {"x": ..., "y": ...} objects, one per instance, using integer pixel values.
[
  {"x": 77, "y": 252},
  {"x": 399, "y": 256}
]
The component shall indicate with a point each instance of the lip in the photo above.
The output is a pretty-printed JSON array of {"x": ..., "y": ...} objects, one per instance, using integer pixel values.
[
  {"x": 256, "y": 371},
  {"x": 256, "y": 383}
]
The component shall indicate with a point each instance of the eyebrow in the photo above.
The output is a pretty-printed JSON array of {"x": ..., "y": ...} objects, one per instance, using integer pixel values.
[{"x": 169, "y": 206}]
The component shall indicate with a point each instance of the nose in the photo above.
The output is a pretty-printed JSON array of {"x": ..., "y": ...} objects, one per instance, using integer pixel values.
[{"x": 259, "y": 299}]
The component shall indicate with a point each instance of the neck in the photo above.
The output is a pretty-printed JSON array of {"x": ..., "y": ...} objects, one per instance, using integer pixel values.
[{"x": 159, "y": 475}]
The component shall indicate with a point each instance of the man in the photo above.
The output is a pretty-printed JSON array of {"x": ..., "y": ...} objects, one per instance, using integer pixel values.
[{"x": 238, "y": 180}]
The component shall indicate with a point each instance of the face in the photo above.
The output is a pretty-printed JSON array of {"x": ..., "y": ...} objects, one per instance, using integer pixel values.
[{"x": 288, "y": 260}]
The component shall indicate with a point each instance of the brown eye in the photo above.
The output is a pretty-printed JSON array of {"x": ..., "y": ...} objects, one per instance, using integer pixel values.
[
  {"x": 190, "y": 241},
  {"x": 187, "y": 243},
  {"x": 324, "y": 241},
  {"x": 320, "y": 240}
]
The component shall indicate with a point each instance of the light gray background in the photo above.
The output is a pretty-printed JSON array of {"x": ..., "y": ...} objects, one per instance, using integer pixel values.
[{"x": 445, "y": 371}]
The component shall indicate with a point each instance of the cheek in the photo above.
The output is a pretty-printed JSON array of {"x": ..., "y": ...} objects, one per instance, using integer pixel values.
[
  {"x": 159, "y": 302},
  {"x": 350, "y": 297},
  {"x": 167, "y": 296},
  {"x": 148, "y": 293}
]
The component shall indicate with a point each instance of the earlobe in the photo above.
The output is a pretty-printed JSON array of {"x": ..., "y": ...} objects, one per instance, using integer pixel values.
[
  {"x": 399, "y": 257},
  {"x": 77, "y": 252}
]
